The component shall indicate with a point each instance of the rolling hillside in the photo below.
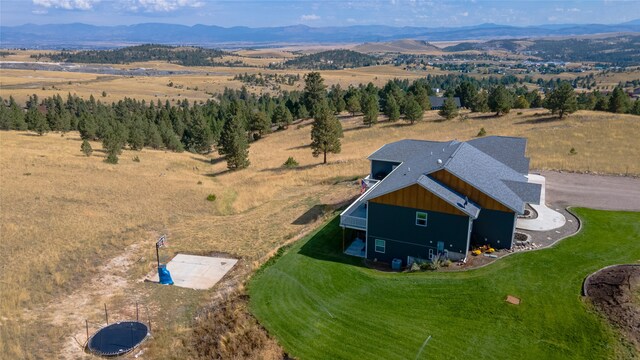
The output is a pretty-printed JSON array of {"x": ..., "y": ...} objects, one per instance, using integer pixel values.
[{"x": 399, "y": 46}]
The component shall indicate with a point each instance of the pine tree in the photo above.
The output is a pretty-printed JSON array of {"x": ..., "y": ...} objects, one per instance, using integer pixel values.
[
  {"x": 136, "y": 137},
  {"x": 521, "y": 102},
  {"x": 336, "y": 95},
  {"x": 466, "y": 91},
  {"x": 562, "y": 100},
  {"x": 17, "y": 115},
  {"x": 198, "y": 134},
  {"x": 260, "y": 124},
  {"x": 535, "y": 100},
  {"x": 87, "y": 127},
  {"x": 282, "y": 116},
  {"x": 412, "y": 110},
  {"x": 325, "y": 133},
  {"x": 449, "y": 109},
  {"x": 114, "y": 140},
  {"x": 234, "y": 144},
  {"x": 37, "y": 121},
  {"x": 480, "y": 102},
  {"x": 314, "y": 91},
  {"x": 153, "y": 137},
  {"x": 353, "y": 104},
  {"x": 392, "y": 109},
  {"x": 422, "y": 97},
  {"x": 619, "y": 101},
  {"x": 370, "y": 110},
  {"x": 635, "y": 109},
  {"x": 86, "y": 148},
  {"x": 500, "y": 100},
  {"x": 6, "y": 122}
]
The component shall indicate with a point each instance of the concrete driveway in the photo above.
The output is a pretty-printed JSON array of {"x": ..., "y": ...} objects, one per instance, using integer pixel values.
[{"x": 592, "y": 191}]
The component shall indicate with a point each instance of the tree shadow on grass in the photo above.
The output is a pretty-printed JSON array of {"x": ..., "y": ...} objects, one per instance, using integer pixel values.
[
  {"x": 357, "y": 128},
  {"x": 300, "y": 147},
  {"x": 398, "y": 124},
  {"x": 211, "y": 161},
  {"x": 326, "y": 245},
  {"x": 548, "y": 119},
  {"x": 297, "y": 168},
  {"x": 312, "y": 214},
  {"x": 215, "y": 174},
  {"x": 484, "y": 117}
]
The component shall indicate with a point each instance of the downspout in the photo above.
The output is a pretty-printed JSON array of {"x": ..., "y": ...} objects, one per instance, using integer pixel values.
[{"x": 468, "y": 238}]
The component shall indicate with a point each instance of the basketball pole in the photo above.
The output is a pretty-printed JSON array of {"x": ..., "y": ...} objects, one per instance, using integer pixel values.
[{"x": 158, "y": 254}]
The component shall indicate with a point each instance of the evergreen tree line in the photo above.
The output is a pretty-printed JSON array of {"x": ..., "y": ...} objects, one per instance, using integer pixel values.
[
  {"x": 238, "y": 117},
  {"x": 193, "y": 56}
]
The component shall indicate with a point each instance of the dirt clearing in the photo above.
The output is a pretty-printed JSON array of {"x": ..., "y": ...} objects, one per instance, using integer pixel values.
[{"x": 615, "y": 292}]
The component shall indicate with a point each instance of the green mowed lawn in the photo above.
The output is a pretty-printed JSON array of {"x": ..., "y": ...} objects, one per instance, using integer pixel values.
[{"x": 321, "y": 304}]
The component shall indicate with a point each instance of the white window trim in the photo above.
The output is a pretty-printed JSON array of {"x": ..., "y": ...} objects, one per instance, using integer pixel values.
[
  {"x": 426, "y": 218},
  {"x": 384, "y": 246}
]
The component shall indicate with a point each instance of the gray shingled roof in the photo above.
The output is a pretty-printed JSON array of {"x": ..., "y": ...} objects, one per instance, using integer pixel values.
[
  {"x": 493, "y": 175},
  {"x": 508, "y": 150},
  {"x": 438, "y": 102}
]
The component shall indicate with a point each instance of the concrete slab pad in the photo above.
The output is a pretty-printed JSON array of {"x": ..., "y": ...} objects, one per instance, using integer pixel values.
[
  {"x": 197, "y": 272},
  {"x": 548, "y": 219}
]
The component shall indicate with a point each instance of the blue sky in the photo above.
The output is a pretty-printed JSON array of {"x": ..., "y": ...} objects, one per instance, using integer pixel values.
[{"x": 259, "y": 13}]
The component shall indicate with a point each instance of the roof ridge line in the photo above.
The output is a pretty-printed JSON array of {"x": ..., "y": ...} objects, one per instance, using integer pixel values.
[{"x": 444, "y": 166}]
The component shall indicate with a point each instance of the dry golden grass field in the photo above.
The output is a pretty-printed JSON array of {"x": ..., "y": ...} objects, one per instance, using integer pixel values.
[
  {"x": 198, "y": 86},
  {"x": 77, "y": 233}
]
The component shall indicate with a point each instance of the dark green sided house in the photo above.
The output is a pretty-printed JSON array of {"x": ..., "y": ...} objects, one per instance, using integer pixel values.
[{"x": 426, "y": 198}]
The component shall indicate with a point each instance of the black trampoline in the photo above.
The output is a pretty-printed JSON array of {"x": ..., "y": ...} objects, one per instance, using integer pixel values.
[{"x": 118, "y": 338}]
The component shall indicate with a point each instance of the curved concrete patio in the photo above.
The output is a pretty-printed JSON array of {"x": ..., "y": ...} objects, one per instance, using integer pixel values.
[{"x": 548, "y": 219}]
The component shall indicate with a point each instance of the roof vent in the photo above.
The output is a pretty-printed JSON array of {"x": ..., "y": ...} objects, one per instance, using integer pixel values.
[{"x": 439, "y": 161}]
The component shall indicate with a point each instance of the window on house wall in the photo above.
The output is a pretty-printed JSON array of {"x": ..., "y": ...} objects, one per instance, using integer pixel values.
[
  {"x": 381, "y": 246},
  {"x": 421, "y": 218}
]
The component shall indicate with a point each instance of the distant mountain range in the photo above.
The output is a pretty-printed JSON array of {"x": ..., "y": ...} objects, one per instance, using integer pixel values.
[{"x": 89, "y": 36}]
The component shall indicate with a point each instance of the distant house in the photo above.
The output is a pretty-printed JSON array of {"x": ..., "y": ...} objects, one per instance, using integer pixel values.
[
  {"x": 437, "y": 102},
  {"x": 424, "y": 198}
]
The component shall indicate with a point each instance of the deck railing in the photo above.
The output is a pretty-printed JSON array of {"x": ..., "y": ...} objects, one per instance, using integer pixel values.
[{"x": 353, "y": 222}]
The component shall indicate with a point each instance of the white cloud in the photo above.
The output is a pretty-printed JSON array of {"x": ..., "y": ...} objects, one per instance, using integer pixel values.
[
  {"x": 67, "y": 4},
  {"x": 466, "y": 13},
  {"x": 310, "y": 17},
  {"x": 162, "y": 5}
]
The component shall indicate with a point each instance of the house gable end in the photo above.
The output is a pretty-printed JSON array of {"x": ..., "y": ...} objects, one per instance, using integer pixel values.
[
  {"x": 417, "y": 197},
  {"x": 483, "y": 200}
]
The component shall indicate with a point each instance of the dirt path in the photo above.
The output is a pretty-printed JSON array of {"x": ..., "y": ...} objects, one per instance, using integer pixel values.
[{"x": 593, "y": 191}]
